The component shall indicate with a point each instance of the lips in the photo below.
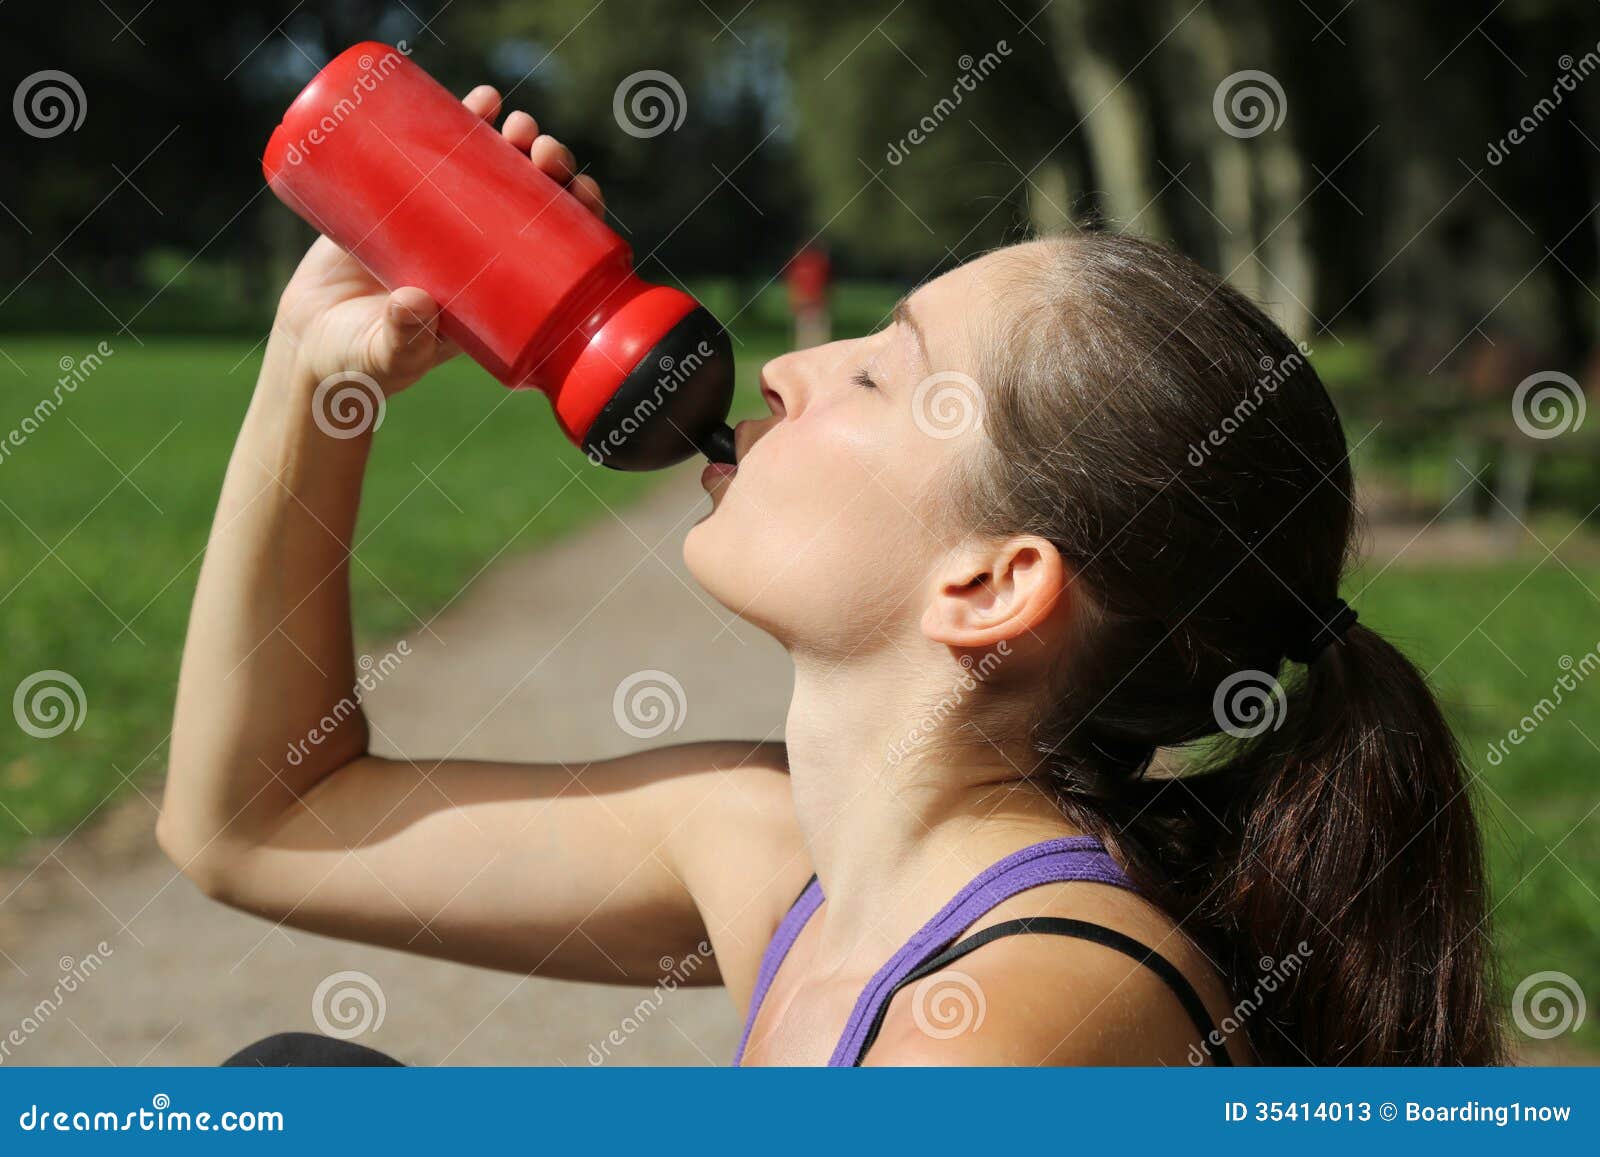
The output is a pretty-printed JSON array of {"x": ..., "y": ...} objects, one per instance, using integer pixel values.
[
  {"x": 716, "y": 472},
  {"x": 743, "y": 438}
]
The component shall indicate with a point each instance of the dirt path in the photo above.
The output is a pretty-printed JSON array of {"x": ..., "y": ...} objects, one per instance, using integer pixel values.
[{"x": 525, "y": 665}]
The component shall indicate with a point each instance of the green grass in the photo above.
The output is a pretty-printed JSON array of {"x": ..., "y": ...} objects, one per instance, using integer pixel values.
[
  {"x": 1494, "y": 638},
  {"x": 106, "y": 508}
]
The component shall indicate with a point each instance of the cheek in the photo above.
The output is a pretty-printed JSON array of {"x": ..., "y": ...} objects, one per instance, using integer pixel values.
[{"x": 820, "y": 460}]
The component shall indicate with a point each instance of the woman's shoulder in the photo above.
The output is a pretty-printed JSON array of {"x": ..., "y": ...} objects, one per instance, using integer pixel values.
[
  {"x": 740, "y": 851},
  {"x": 1044, "y": 998}
]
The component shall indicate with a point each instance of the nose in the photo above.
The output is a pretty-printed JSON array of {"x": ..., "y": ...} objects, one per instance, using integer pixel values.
[
  {"x": 777, "y": 383},
  {"x": 772, "y": 392}
]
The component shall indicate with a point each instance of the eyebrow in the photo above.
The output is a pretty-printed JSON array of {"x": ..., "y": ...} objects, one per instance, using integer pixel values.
[{"x": 902, "y": 314}]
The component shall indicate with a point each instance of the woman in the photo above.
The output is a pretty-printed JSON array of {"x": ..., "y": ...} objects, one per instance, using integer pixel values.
[{"x": 994, "y": 625}]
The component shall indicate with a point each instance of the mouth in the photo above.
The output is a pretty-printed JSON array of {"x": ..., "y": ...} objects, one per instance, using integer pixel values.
[{"x": 717, "y": 473}]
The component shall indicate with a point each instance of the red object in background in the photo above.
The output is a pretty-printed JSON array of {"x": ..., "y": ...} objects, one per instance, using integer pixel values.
[
  {"x": 382, "y": 159},
  {"x": 808, "y": 278}
]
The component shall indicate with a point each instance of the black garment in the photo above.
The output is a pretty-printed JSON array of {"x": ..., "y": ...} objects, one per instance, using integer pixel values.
[{"x": 307, "y": 1050}]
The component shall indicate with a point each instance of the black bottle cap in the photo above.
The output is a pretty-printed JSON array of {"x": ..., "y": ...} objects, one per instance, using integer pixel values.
[{"x": 673, "y": 404}]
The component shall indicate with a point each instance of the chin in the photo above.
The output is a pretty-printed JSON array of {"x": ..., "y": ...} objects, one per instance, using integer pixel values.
[
  {"x": 717, "y": 562},
  {"x": 747, "y": 574}
]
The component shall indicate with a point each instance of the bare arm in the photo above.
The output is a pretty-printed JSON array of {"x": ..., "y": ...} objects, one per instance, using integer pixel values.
[{"x": 593, "y": 871}]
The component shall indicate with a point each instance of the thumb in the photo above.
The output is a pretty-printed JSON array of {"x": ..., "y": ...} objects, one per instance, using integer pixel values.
[{"x": 406, "y": 343}]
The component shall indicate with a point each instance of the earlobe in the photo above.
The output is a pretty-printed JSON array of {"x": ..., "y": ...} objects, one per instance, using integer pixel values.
[{"x": 997, "y": 591}]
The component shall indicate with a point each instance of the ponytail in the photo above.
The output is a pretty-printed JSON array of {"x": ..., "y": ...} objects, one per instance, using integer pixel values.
[{"x": 1355, "y": 847}]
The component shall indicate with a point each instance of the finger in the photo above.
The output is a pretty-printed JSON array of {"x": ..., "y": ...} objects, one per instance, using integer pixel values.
[
  {"x": 587, "y": 190},
  {"x": 554, "y": 159},
  {"x": 521, "y": 130},
  {"x": 483, "y": 101}
]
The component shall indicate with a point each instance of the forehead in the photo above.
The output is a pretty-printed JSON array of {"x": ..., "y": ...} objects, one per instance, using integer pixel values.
[{"x": 952, "y": 308}]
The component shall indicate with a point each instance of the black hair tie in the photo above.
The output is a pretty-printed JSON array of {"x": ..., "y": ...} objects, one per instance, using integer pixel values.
[{"x": 1328, "y": 627}]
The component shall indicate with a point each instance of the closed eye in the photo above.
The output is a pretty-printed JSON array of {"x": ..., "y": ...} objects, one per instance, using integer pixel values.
[{"x": 864, "y": 380}]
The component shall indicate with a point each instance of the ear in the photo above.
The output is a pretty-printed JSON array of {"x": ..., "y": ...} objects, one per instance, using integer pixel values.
[{"x": 995, "y": 590}]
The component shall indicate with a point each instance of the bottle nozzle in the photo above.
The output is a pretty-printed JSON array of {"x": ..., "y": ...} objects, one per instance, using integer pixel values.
[{"x": 717, "y": 446}]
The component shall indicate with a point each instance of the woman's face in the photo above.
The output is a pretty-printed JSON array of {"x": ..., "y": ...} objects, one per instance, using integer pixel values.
[{"x": 828, "y": 530}]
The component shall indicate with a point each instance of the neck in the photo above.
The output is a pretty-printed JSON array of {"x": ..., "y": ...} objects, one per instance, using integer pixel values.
[{"x": 896, "y": 814}]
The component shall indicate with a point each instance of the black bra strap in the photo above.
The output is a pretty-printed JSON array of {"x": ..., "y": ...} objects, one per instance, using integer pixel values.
[
  {"x": 1078, "y": 930},
  {"x": 800, "y": 895}
]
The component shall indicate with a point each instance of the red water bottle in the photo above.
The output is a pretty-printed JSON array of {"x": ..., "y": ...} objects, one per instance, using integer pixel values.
[{"x": 381, "y": 158}]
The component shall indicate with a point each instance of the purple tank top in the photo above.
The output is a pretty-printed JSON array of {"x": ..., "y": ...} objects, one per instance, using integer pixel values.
[{"x": 1051, "y": 861}]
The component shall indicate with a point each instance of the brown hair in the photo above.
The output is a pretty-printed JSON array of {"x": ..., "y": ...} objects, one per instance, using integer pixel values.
[{"x": 1185, "y": 459}]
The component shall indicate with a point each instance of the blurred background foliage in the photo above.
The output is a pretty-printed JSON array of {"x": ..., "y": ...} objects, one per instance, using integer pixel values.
[{"x": 1098, "y": 112}]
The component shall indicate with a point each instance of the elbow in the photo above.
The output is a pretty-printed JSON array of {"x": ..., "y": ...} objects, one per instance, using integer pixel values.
[{"x": 207, "y": 860}]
